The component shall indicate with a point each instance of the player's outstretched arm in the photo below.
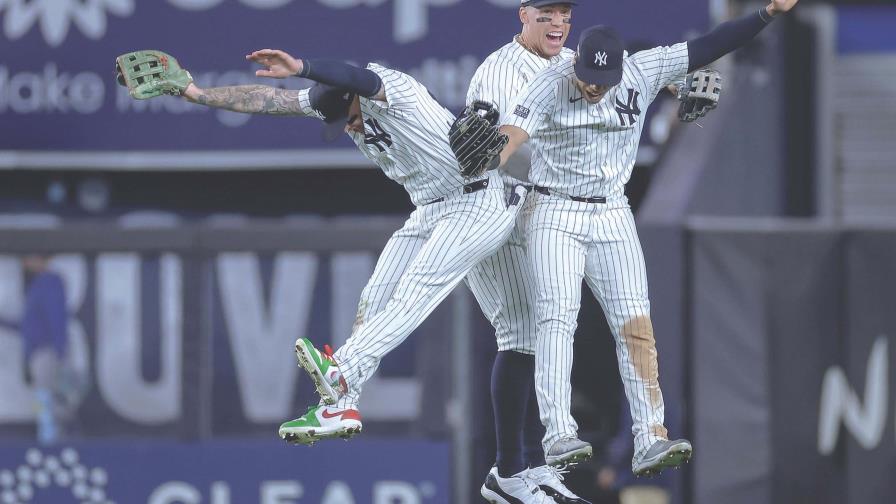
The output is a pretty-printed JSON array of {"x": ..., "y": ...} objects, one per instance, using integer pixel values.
[
  {"x": 733, "y": 34},
  {"x": 151, "y": 73},
  {"x": 280, "y": 64},
  {"x": 248, "y": 99}
]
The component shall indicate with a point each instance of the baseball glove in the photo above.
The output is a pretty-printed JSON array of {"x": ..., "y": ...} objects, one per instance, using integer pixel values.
[
  {"x": 698, "y": 94},
  {"x": 475, "y": 139},
  {"x": 151, "y": 73}
]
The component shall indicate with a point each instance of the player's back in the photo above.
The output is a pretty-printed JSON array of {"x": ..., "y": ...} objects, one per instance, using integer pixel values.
[{"x": 407, "y": 137}]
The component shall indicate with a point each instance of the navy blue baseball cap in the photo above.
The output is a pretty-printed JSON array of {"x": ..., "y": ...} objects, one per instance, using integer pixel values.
[
  {"x": 542, "y": 3},
  {"x": 331, "y": 102},
  {"x": 599, "y": 56}
]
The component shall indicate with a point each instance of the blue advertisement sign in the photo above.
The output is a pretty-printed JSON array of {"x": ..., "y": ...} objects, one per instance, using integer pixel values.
[
  {"x": 226, "y": 472},
  {"x": 61, "y": 108},
  {"x": 147, "y": 362}
]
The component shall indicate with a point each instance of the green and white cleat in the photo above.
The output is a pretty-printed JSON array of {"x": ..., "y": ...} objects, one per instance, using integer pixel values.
[
  {"x": 323, "y": 370},
  {"x": 321, "y": 422}
]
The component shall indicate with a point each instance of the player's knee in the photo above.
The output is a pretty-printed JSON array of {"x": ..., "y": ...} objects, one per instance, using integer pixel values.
[
  {"x": 557, "y": 325},
  {"x": 638, "y": 330}
]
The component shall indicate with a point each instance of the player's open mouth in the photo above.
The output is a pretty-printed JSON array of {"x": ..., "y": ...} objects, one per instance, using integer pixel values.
[{"x": 555, "y": 36}]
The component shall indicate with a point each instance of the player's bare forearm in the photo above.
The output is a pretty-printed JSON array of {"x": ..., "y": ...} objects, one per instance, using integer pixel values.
[
  {"x": 515, "y": 138},
  {"x": 248, "y": 99}
]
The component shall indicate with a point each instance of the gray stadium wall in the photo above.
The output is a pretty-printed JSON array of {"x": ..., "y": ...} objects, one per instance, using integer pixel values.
[{"x": 791, "y": 330}]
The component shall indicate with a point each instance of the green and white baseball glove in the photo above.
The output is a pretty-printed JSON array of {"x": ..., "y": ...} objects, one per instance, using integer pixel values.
[{"x": 151, "y": 73}]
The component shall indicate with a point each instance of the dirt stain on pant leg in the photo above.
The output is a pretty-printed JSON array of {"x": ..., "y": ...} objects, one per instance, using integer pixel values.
[{"x": 638, "y": 336}]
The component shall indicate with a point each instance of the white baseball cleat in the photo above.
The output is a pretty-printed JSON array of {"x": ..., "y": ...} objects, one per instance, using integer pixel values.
[
  {"x": 513, "y": 490},
  {"x": 550, "y": 480}
]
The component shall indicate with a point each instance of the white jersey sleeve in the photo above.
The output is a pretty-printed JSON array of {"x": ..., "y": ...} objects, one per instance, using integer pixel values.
[
  {"x": 399, "y": 87},
  {"x": 662, "y": 66},
  {"x": 305, "y": 104},
  {"x": 535, "y": 103}
]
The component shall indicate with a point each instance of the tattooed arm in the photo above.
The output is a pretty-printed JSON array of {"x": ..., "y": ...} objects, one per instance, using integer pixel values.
[{"x": 250, "y": 99}]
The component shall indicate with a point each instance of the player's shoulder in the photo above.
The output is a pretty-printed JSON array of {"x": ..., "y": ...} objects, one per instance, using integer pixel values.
[
  {"x": 505, "y": 57},
  {"x": 565, "y": 54},
  {"x": 562, "y": 69},
  {"x": 401, "y": 88},
  {"x": 387, "y": 73},
  {"x": 549, "y": 79}
]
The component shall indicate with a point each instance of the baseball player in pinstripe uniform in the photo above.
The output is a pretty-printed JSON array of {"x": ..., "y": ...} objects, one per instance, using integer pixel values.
[
  {"x": 500, "y": 78},
  {"x": 583, "y": 120},
  {"x": 454, "y": 227},
  {"x": 399, "y": 126},
  {"x": 502, "y": 283}
]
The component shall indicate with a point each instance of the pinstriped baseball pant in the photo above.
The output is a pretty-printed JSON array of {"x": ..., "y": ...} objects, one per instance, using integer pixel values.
[
  {"x": 503, "y": 286},
  {"x": 421, "y": 264},
  {"x": 569, "y": 241}
]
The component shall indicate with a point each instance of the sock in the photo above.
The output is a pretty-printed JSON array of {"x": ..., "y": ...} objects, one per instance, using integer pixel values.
[
  {"x": 512, "y": 378},
  {"x": 533, "y": 432}
]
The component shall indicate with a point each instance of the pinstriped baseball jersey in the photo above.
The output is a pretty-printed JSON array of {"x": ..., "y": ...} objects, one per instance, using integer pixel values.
[
  {"x": 407, "y": 137},
  {"x": 449, "y": 232},
  {"x": 505, "y": 73},
  {"x": 584, "y": 149},
  {"x": 502, "y": 283}
]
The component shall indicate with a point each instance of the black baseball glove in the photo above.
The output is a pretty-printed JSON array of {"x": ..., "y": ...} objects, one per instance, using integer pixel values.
[
  {"x": 475, "y": 139},
  {"x": 699, "y": 93}
]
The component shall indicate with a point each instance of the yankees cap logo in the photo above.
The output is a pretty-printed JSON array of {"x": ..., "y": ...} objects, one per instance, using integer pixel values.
[{"x": 600, "y": 58}]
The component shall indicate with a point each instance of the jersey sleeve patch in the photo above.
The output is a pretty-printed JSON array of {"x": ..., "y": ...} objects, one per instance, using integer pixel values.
[{"x": 521, "y": 111}]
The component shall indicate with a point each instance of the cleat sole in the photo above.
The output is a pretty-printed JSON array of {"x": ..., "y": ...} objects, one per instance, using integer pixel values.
[
  {"x": 571, "y": 458},
  {"x": 312, "y": 436},
  {"x": 672, "y": 460}
]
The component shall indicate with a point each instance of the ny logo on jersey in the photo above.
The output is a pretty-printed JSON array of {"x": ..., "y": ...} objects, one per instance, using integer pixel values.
[
  {"x": 378, "y": 137},
  {"x": 600, "y": 59},
  {"x": 629, "y": 109}
]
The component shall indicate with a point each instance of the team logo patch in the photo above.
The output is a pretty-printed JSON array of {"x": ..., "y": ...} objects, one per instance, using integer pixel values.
[
  {"x": 600, "y": 59},
  {"x": 377, "y": 136},
  {"x": 628, "y": 109},
  {"x": 521, "y": 111}
]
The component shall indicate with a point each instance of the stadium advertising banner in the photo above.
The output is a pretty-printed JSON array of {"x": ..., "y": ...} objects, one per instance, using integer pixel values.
[
  {"x": 190, "y": 343},
  {"x": 225, "y": 472},
  {"x": 802, "y": 332},
  {"x": 61, "y": 108}
]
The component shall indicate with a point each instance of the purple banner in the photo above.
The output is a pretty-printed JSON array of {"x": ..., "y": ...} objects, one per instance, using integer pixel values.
[
  {"x": 145, "y": 360},
  {"x": 225, "y": 472},
  {"x": 60, "y": 106}
]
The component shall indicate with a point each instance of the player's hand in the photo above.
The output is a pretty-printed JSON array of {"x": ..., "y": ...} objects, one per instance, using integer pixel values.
[
  {"x": 780, "y": 6},
  {"x": 277, "y": 64}
]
